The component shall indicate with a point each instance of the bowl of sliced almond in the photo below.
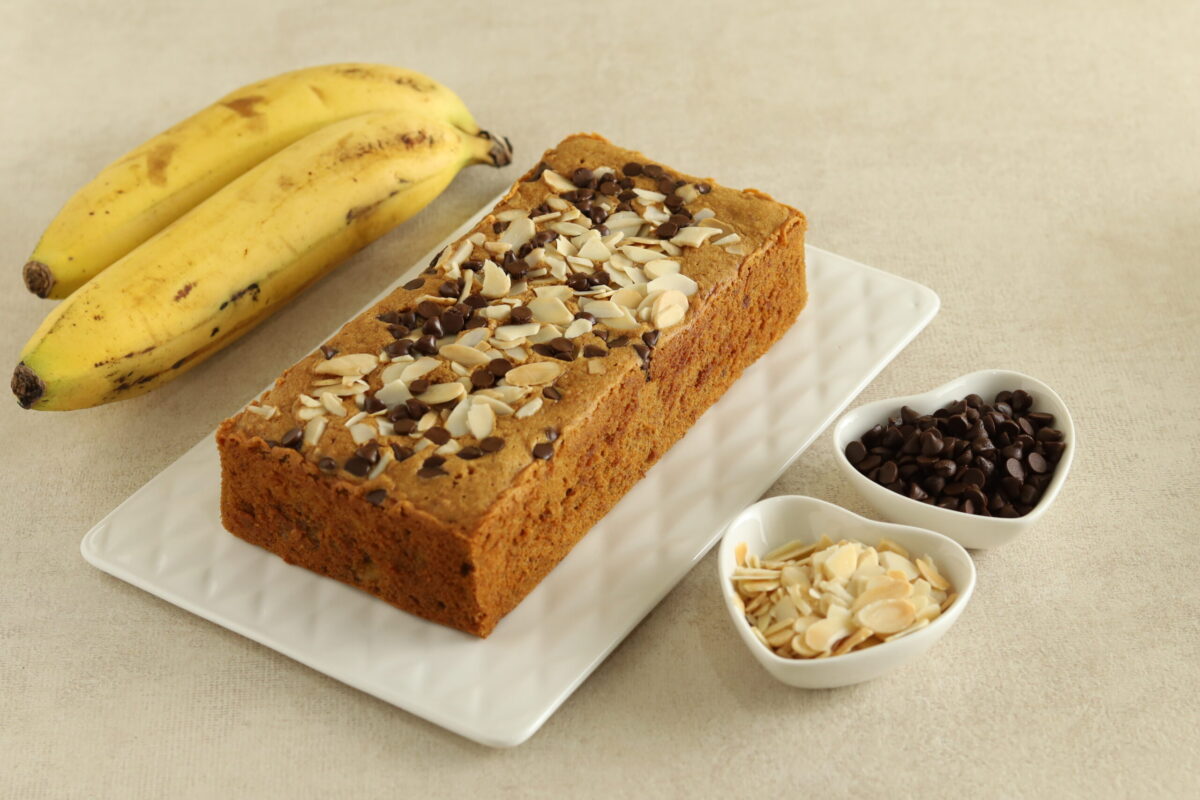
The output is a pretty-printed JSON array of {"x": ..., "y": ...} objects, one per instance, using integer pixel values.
[{"x": 823, "y": 597}]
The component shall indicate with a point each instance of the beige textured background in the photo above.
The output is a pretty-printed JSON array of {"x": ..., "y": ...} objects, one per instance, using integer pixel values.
[{"x": 1035, "y": 163}]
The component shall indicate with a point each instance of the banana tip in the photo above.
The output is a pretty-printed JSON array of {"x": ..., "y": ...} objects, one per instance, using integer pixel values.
[
  {"x": 27, "y": 386},
  {"x": 501, "y": 150},
  {"x": 38, "y": 278}
]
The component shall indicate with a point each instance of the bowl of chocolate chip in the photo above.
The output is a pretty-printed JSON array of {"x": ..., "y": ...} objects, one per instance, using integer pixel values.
[{"x": 979, "y": 459}]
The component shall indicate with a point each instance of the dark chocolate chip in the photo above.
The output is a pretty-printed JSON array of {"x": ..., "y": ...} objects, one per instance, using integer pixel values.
[
  {"x": 499, "y": 367},
  {"x": 401, "y": 453},
  {"x": 328, "y": 352},
  {"x": 482, "y": 378},
  {"x": 438, "y": 435},
  {"x": 543, "y": 451},
  {"x": 856, "y": 451},
  {"x": 426, "y": 345},
  {"x": 550, "y": 393},
  {"x": 666, "y": 230},
  {"x": 652, "y": 170},
  {"x": 376, "y": 496},
  {"x": 358, "y": 466},
  {"x": 632, "y": 169},
  {"x": 428, "y": 308},
  {"x": 470, "y": 453},
  {"x": 327, "y": 465},
  {"x": 521, "y": 315},
  {"x": 492, "y": 444},
  {"x": 293, "y": 438},
  {"x": 419, "y": 386}
]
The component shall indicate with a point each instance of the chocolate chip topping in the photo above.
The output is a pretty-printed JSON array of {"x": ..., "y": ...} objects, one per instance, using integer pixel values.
[
  {"x": 594, "y": 351},
  {"x": 293, "y": 438},
  {"x": 470, "y": 452},
  {"x": 438, "y": 435},
  {"x": 652, "y": 170},
  {"x": 499, "y": 367},
  {"x": 483, "y": 378},
  {"x": 376, "y": 496},
  {"x": 414, "y": 284},
  {"x": 550, "y": 393},
  {"x": 632, "y": 169},
  {"x": 400, "y": 452},
  {"x": 492, "y": 444},
  {"x": 327, "y": 465},
  {"x": 357, "y": 466},
  {"x": 521, "y": 315},
  {"x": 543, "y": 451},
  {"x": 328, "y": 352}
]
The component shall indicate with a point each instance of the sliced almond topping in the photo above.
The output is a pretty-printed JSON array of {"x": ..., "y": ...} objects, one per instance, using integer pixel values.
[
  {"x": 512, "y": 214},
  {"x": 393, "y": 394},
  {"x": 511, "y": 333},
  {"x": 888, "y": 589},
  {"x": 666, "y": 317},
  {"x": 648, "y": 196},
  {"x": 467, "y": 356},
  {"x": 659, "y": 267},
  {"x": 640, "y": 255},
  {"x": 266, "y": 412},
  {"x": 694, "y": 236},
  {"x": 732, "y": 238},
  {"x": 442, "y": 393},
  {"x": 853, "y": 641},
  {"x": 595, "y": 250},
  {"x": 418, "y": 369},
  {"x": 314, "y": 430},
  {"x": 306, "y": 414},
  {"x": 518, "y": 233},
  {"x": 333, "y": 405},
  {"x": 578, "y": 328},
  {"x": 456, "y": 420},
  {"x": 355, "y": 364},
  {"x": 481, "y": 419},
  {"x": 536, "y": 374},
  {"x": 677, "y": 281},
  {"x": 625, "y": 322},
  {"x": 551, "y": 310},
  {"x": 604, "y": 309},
  {"x": 496, "y": 282},
  {"x": 501, "y": 408},
  {"x": 628, "y": 297},
  {"x": 362, "y": 432},
  {"x": 688, "y": 192},
  {"x": 595, "y": 366},
  {"x": 557, "y": 182},
  {"x": 529, "y": 409}
]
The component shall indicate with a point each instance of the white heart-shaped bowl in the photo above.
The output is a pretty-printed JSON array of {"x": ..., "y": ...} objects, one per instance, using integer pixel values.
[
  {"x": 768, "y": 524},
  {"x": 969, "y": 530}
]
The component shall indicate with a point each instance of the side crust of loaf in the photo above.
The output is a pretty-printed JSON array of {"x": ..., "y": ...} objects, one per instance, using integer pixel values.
[{"x": 274, "y": 498}]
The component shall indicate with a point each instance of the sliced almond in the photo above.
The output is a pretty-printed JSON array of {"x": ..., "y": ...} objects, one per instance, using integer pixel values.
[
  {"x": 442, "y": 393},
  {"x": 481, "y": 419},
  {"x": 511, "y": 333},
  {"x": 659, "y": 267},
  {"x": 354, "y": 364},
  {"x": 694, "y": 236},
  {"x": 496, "y": 282},
  {"x": 551, "y": 310},
  {"x": 362, "y": 432},
  {"x": 557, "y": 182},
  {"x": 888, "y": 589},
  {"x": 393, "y": 394},
  {"x": 529, "y": 409},
  {"x": 536, "y": 374},
  {"x": 894, "y": 562},
  {"x": 578, "y": 328},
  {"x": 676, "y": 281},
  {"x": 929, "y": 572},
  {"x": 418, "y": 369},
  {"x": 314, "y": 430},
  {"x": 333, "y": 405},
  {"x": 461, "y": 354},
  {"x": 887, "y": 616}
]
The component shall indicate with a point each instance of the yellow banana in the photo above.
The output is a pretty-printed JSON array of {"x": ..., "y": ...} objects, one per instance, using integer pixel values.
[
  {"x": 218, "y": 270},
  {"x": 156, "y": 183}
]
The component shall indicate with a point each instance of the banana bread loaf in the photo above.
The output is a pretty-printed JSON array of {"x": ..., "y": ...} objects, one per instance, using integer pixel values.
[{"x": 448, "y": 447}]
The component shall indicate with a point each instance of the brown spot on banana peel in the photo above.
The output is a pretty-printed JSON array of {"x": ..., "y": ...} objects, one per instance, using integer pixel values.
[
  {"x": 245, "y": 106},
  {"x": 156, "y": 163},
  {"x": 362, "y": 211},
  {"x": 38, "y": 278},
  {"x": 27, "y": 386},
  {"x": 252, "y": 289},
  {"x": 185, "y": 291}
]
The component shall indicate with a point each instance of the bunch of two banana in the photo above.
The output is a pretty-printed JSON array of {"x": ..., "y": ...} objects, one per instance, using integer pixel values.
[{"x": 191, "y": 239}]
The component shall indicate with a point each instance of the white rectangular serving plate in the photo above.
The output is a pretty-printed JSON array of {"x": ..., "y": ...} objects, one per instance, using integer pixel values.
[{"x": 167, "y": 537}]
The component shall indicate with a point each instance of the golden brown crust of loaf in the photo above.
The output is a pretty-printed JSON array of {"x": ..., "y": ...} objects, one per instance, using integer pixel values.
[{"x": 465, "y": 558}]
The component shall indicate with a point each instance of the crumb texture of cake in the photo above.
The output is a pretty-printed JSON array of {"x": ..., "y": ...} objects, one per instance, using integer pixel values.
[{"x": 446, "y": 448}]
